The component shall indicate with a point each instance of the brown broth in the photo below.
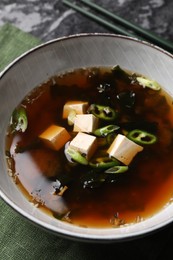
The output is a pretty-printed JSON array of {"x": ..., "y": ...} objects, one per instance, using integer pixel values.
[{"x": 133, "y": 196}]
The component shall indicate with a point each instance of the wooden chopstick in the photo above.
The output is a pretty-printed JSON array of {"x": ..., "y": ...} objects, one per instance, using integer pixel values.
[{"x": 140, "y": 33}]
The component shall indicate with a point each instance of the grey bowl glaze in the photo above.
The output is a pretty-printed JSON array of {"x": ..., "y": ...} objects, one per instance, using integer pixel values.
[{"x": 64, "y": 54}]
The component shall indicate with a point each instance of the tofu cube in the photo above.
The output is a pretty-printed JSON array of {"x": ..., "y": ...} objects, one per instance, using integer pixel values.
[
  {"x": 55, "y": 137},
  {"x": 124, "y": 149},
  {"x": 85, "y": 144},
  {"x": 85, "y": 123},
  {"x": 80, "y": 107}
]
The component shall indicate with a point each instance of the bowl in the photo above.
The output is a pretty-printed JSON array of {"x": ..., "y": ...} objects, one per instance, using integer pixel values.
[{"x": 65, "y": 54}]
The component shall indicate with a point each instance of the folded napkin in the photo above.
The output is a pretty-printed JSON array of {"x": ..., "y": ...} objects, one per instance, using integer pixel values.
[
  {"x": 20, "y": 239},
  {"x": 14, "y": 42}
]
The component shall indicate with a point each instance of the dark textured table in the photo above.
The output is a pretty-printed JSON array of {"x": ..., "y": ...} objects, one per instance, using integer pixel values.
[{"x": 51, "y": 19}]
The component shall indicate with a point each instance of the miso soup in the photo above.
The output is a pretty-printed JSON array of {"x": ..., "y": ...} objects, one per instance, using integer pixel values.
[{"x": 94, "y": 147}]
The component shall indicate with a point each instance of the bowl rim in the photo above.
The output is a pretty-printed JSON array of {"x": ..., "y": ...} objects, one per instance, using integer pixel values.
[
  {"x": 79, "y": 35},
  {"x": 73, "y": 234}
]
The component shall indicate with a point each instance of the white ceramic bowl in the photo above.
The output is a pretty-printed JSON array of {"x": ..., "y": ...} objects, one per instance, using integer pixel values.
[{"x": 36, "y": 66}]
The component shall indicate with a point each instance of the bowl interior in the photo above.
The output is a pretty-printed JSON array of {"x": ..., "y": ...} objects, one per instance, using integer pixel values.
[{"x": 65, "y": 54}]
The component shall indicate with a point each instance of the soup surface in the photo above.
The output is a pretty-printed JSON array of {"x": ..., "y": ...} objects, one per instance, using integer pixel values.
[{"x": 95, "y": 187}]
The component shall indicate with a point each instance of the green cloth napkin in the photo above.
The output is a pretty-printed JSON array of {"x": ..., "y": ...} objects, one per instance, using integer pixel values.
[
  {"x": 20, "y": 239},
  {"x": 14, "y": 42}
]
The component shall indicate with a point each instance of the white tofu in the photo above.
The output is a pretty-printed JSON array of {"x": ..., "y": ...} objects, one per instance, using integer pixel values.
[
  {"x": 85, "y": 123},
  {"x": 55, "y": 137},
  {"x": 124, "y": 149},
  {"x": 80, "y": 107},
  {"x": 85, "y": 144}
]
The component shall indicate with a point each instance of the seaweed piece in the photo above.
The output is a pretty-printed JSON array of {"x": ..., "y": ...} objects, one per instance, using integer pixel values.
[
  {"x": 126, "y": 99},
  {"x": 92, "y": 179},
  {"x": 121, "y": 74}
]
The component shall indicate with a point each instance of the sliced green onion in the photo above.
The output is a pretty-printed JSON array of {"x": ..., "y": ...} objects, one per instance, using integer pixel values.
[
  {"x": 104, "y": 163},
  {"x": 19, "y": 121},
  {"x": 117, "y": 169},
  {"x": 103, "y": 112},
  {"x": 76, "y": 156},
  {"x": 71, "y": 117},
  {"x": 104, "y": 131},
  {"x": 141, "y": 137},
  {"x": 148, "y": 83}
]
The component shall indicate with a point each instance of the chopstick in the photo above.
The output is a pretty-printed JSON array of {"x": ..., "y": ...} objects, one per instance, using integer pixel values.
[
  {"x": 114, "y": 28},
  {"x": 140, "y": 33}
]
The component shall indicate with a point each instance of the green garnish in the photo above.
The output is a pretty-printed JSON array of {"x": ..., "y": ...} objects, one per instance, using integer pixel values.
[
  {"x": 71, "y": 117},
  {"x": 117, "y": 169},
  {"x": 148, "y": 83},
  {"x": 104, "y": 131},
  {"x": 19, "y": 121},
  {"x": 104, "y": 163},
  {"x": 141, "y": 137},
  {"x": 76, "y": 156},
  {"x": 103, "y": 112}
]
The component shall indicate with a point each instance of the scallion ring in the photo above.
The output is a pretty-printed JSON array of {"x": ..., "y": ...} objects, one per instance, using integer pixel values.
[
  {"x": 148, "y": 83},
  {"x": 142, "y": 137},
  {"x": 117, "y": 169},
  {"x": 76, "y": 156},
  {"x": 104, "y": 131},
  {"x": 19, "y": 120},
  {"x": 103, "y": 112},
  {"x": 104, "y": 163}
]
